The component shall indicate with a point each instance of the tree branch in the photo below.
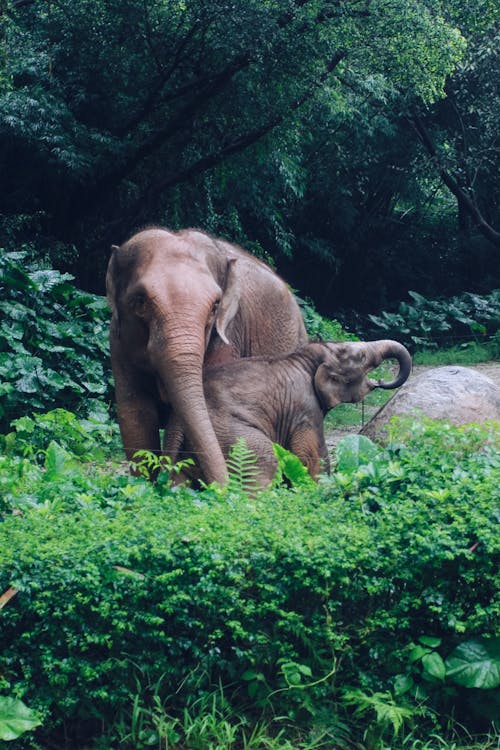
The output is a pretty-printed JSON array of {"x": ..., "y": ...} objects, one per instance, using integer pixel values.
[
  {"x": 244, "y": 141},
  {"x": 465, "y": 201},
  {"x": 155, "y": 97},
  {"x": 180, "y": 120}
]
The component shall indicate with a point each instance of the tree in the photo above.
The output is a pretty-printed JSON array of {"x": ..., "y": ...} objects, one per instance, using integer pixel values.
[
  {"x": 465, "y": 152},
  {"x": 375, "y": 218},
  {"x": 112, "y": 112}
]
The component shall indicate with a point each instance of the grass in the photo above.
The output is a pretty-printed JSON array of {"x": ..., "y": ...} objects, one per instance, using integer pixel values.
[
  {"x": 356, "y": 415},
  {"x": 471, "y": 353},
  {"x": 210, "y": 723},
  {"x": 435, "y": 742}
]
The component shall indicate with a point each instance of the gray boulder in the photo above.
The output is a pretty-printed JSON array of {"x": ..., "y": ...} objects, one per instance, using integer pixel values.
[{"x": 458, "y": 394}]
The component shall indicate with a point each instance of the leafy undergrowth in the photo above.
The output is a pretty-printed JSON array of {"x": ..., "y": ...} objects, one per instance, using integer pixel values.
[
  {"x": 454, "y": 322},
  {"x": 53, "y": 340},
  {"x": 362, "y": 612}
]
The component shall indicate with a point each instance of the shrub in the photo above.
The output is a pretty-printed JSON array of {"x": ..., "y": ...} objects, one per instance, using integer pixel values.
[
  {"x": 425, "y": 323},
  {"x": 53, "y": 340},
  {"x": 320, "y": 328},
  {"x": 89, "y": 439},
  {"x": 302, "y": 600}
]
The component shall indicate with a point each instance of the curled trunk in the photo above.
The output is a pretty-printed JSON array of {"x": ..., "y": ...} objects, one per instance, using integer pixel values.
[{"x": 388, "y": 349}]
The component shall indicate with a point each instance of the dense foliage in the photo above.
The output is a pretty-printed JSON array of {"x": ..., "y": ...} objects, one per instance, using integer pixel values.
[
  {"x": 53, "y": 340},
  {"x": 362, "y": 605},
  {"x": 426, "y": 323},
  {"x": 304, "y": 129}
]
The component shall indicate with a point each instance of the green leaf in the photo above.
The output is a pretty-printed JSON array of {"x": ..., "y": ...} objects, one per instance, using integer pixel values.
[
  {"x": 251, "y": 674},
  {"x": 15, "y": 718},
  {"x": 475, "y": 663},
  {"x": 353, "y": 451},
  {"x": 418, "y": 653},
  {"x": 434, "y": 666},
  {"x": 427, "y": 640},
  {"x": 23, "y": 424},
  {"x": 242, "y": 467},
  {"x": 57, "y": 460},
  {"x": 402, "y": 683},
  {"x": 292, "y": 467},
  {"x": 292, "y": 673},
  {"x": 304, "y": 669}
]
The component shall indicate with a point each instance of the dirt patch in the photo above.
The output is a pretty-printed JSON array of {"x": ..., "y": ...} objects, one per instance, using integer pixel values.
[{"x": 334, "y": 434}]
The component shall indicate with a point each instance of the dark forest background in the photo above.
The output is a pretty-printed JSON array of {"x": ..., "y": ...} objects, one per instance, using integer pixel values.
[{"x": 352, "y": 143}]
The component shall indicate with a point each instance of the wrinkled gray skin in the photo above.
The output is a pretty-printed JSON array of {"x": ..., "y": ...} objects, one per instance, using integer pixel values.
[
  {"x": 182, "y": 301},
  {"x": 285, "y": 399}
]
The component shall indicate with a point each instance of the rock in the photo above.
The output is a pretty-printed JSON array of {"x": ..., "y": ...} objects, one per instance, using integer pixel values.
[{"x": 458, "y": 394}]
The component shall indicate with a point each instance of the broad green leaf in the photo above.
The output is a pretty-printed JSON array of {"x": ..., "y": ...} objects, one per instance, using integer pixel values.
[
  {"x": 23, "y": 424},
  {"x": 292, "y": 467},
  {"x": 418, "y": 653},
  {"x": 291, "y": 673},
  {"x": 431, "y": 641},
  {"x": 304, "y": 669},
  {"x": 475, "y": 663},
  {"x": 353, "y": 451},
  {"x": 434, "y": 665},
  {"x": 17, "y": 279},
  {"x": 402, "y": 683},
  {"x": 15, "y": 718},
  {"x": 29, "y": 383},
  {"x": 57, "y": 460}
]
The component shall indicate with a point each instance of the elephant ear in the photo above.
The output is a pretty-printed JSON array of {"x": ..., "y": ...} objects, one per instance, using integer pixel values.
[
  {"x": 328, "y": 387},
  {"x": 110, "y": 281},
  {"x": 230, "y": 301}
]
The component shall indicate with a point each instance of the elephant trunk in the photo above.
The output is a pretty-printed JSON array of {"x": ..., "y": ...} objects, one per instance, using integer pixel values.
[
  {"x": 181, "y": 378},
  {"x": 388, "y": 349}
]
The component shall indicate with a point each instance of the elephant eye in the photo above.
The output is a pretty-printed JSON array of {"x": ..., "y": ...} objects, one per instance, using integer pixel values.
[{"x": 138, "y": 303}]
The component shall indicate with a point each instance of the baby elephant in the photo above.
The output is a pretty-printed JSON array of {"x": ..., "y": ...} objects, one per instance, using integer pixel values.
[{"x": 284, "y": 399}]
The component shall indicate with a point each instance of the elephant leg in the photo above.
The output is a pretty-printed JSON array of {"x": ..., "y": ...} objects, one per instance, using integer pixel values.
[
  {"x": 138, "y": 415},
  {"x": 173, "y": 438},
  {"x": 311, "y": 448}
]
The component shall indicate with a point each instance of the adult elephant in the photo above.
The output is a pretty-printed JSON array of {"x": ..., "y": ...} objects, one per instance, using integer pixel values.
[{"x": 182, "y": 301}]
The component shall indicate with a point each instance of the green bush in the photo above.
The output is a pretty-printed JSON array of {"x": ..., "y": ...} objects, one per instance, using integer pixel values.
[
  {"x": 53, "y": 341},
  {"x": 320, "y": 328},
  {"x": 426, "y": 323},
  {"x": 89, "y": 439},
  {"x": 300, "y": 601}
]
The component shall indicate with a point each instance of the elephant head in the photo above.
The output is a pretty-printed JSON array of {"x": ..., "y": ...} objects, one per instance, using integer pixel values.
[
  {"x": 342, "y": 376},
  {"x": 181, "y": 301}
]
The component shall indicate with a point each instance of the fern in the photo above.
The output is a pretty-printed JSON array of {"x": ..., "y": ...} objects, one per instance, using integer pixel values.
[
  {"x": 242, "y": 467},
  {"x": 387, "y": 712}
]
